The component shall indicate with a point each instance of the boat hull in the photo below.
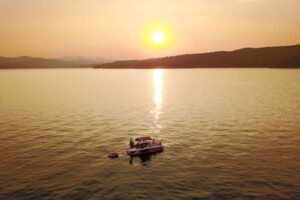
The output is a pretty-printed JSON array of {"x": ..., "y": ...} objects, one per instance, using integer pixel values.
[{"x": 144, "y": 151}]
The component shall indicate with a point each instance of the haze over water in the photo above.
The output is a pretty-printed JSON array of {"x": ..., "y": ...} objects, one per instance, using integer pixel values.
[{"x": 228, "y": 133}]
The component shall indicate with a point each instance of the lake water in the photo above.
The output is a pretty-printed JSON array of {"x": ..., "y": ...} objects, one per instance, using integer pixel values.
[{"x": 228, "y": 133}]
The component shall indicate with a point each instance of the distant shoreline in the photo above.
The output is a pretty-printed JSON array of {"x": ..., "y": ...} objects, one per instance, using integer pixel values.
[
  {"x": 282, "y": 57},
  {"x": 92, "y": 68},
  {"x": 269, "y": 57},
  {"x": 298, "y": 67}
]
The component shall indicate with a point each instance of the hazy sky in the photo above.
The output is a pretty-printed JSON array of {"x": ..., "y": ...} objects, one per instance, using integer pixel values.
[{"x": 113, "y": 28}]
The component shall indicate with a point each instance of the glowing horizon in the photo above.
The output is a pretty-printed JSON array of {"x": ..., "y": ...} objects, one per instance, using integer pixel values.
[{"x": 117, "y": 29}]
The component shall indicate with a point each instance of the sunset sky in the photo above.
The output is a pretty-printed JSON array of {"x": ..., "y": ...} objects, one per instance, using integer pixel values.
[{"x": 119, "y": 29}]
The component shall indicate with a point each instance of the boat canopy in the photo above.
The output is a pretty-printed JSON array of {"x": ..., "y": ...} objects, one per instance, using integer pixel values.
[{"x": 144, "y": 138}]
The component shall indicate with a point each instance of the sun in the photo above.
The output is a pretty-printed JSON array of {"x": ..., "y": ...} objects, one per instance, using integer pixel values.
[{"x": 158, "y": 37}]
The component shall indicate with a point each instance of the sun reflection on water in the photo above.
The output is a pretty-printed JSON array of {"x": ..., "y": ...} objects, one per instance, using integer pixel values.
[{"x": 157, "y": 97}]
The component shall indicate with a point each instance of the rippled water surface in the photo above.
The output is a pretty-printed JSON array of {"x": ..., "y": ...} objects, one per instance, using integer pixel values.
[{"x": 229, "y": 133}]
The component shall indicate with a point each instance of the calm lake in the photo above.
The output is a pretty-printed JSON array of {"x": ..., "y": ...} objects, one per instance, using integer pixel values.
[{"x": 228, "y": 133}]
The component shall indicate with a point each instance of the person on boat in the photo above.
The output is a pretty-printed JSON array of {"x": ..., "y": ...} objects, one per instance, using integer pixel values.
[
  {"x": 131, "y": 143},
  {"x": 138, "y": 144}
]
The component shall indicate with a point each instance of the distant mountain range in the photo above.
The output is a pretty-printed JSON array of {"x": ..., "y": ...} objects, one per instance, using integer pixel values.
[
  {"x": 84, "y": 60},
  {"x": 267, "y": 57},
  {"x": 26, "y": 62},
  {"x": 271, "y": 57}
]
